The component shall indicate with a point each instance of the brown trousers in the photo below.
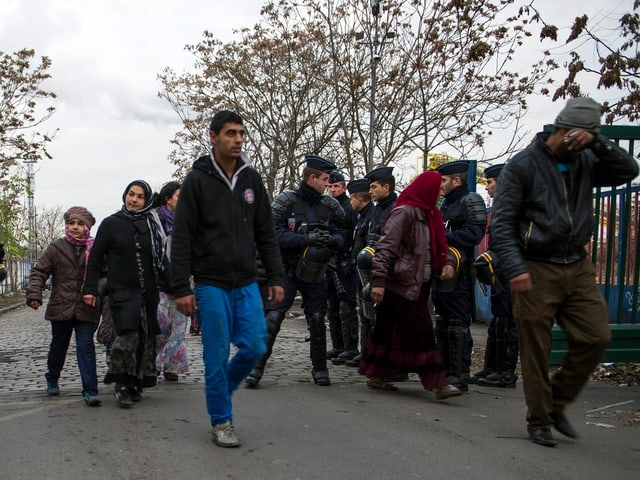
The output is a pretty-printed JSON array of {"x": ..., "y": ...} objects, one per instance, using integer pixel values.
[{"x": 568, "y": 295}]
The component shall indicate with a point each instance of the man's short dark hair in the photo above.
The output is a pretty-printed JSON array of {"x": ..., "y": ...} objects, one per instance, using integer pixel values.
[
  {"x": 391, "y": 181},
  {"x": 363, "y": 196},
  {"x": 308, "y": 171},
  {"x": 464, "y": 177},
  {"x": 223, "y": 117}
]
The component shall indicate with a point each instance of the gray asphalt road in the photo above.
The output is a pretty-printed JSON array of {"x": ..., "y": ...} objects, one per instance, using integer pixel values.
[{"x": 292, "y": 429}]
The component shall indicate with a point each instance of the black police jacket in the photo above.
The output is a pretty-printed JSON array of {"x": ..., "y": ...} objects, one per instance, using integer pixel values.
[
  {"x": 465, "y": 218},
  {"x": 297, "y": 211},
  {"x": 535, "y": 217}
]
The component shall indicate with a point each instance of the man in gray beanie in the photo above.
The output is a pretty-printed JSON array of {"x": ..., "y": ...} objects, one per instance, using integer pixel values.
[
  {"x": 542, "y": 221},
  {"x": 580, "y": 112}
]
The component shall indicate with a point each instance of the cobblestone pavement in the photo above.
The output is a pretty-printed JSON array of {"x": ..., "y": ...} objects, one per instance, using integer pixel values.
[{"x": 25, "y": 337}]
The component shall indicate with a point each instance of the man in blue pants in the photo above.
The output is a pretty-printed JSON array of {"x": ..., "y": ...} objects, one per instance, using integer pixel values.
[{"x": 222, "y": 217}]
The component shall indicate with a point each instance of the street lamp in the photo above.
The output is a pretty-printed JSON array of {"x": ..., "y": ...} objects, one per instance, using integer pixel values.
[
  {"x": 31, "y": 189},
  {"x": 375, "y": 50}
]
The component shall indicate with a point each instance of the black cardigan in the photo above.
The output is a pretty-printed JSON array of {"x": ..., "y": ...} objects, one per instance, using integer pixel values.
[{"x": 116, "y": 241}]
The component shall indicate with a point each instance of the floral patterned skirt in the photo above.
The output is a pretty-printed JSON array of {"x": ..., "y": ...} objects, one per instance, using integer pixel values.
[{"x": 171, "y": 343}]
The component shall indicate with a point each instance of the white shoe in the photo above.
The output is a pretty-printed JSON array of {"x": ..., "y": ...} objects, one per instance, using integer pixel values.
[
  {"x": 446, "y": 391},
  {"x": 224, "y": 436}
]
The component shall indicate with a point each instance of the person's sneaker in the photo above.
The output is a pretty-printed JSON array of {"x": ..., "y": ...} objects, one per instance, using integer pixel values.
[
  {"x": 381, "y": 384},
  {"x": 53, "y": 388},
  {"x": 224, "y": 436},
  {"x": 254, "y": 377},
  {"x": 123, "y": 397},
  {"x": 445, "y": 391},
  {"x": 91, "y": 398},
  {"x": 135, "y": 395}
]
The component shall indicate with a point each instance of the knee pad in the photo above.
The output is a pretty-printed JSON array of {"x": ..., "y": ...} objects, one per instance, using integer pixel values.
[
  {"x": 316, "y": 325},
  {"x": 274, "y": 321}
]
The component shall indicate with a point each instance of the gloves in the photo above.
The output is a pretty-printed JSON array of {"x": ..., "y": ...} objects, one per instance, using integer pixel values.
[
  {"x": 320, "y": 239},
  {"x": 312, "y": 238}
]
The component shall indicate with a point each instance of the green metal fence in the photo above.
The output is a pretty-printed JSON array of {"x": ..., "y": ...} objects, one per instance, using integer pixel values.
[{"x": 614, "y": 251}]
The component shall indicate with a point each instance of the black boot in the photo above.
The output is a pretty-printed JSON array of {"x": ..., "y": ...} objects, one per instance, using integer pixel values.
[
  {"x": 456, "y": 374},
  {"x": 318, "y": 347},
  {"x": 489, "y": 354},
  {"x": 344, "y": 357},
  {"x": 506, "y": 379},
  {"x": 504, "y": 376},
  {"x": 349, "y": 321},
  {"x": 274, "y": 321}
]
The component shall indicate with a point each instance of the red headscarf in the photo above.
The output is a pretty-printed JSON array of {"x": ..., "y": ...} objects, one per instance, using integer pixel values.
[{"x": 423, "y": 193}]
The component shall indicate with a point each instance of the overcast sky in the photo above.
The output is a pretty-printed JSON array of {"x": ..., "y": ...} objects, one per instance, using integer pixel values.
[{"x": 106, "y": 55}]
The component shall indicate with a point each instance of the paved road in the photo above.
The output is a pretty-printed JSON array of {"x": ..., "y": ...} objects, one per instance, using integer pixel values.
[{"x": 290, "y": 428}]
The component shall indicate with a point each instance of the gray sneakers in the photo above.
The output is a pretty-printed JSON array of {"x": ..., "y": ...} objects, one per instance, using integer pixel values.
[{"x": 224, "y": 436}]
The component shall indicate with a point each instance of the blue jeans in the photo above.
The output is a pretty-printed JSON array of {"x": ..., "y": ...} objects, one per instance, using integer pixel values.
[
  {"x": 85, "y": 351},
  {"x": 229, "y": 316}
]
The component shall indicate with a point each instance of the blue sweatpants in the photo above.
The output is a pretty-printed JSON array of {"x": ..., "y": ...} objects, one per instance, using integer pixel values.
[{"x": 229, "y": 316}]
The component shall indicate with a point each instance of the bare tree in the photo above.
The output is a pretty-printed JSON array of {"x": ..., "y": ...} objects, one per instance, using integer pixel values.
[
  {"x": 49, "y": 226},
  {"x": 24, "y": 107},
  {"x": 304, "y": 84},
  {"x": 615, "y": 62}
]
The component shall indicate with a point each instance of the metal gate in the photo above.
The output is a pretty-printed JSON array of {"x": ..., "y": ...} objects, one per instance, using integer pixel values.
[{"x": 614, "y": 252}]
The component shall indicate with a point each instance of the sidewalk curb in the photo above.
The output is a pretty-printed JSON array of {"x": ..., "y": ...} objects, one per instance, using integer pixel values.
[{"x": 10, "y": 308}]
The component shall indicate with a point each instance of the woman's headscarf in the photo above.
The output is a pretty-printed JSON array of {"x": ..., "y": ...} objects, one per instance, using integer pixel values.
[
  {"x": 148, "y": 198},
  {"x": 83, "y": 215},
  {"x": 157, "y": 234},
  {"x": 86, "y": 241},
  {"x": 423, "y": 193},
  {"x": 166, "y": 215}
]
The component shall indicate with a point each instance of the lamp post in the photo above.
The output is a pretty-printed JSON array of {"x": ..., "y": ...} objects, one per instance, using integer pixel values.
[
  {"x": 375, "y": 51},
  {"x": 31, "y": 189}
]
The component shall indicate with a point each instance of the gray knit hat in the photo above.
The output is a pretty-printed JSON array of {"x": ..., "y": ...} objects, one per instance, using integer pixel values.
[{"x": 580, "y": 112}]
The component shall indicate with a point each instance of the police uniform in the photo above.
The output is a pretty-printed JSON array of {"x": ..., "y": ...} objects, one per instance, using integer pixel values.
[
  {"x": 341, "y": 290},
  {"x": 308, "y": 224},
  {"x": 464, "y": 214},
  {"x": 360, "y": 229},
  {"x": 371, "y": 232},
  {"x": 501, "y": 349},
  {"x": 382, "y": 208}
]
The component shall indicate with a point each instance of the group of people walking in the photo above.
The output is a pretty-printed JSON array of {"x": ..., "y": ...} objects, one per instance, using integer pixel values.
[
  {"x": 373, "y": 263},
  {"x": 126, "y": 266}
]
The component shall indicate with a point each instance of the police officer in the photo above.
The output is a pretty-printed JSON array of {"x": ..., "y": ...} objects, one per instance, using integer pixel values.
[
  {"x": 465, "y": 218},
  {"x": 363, "y": 208},
  {"x": 308, "y": 225},
  {"x": 501, "y": 349},
  {"x": 382, "y": 185},
  {"x": 341, "y": 284}
]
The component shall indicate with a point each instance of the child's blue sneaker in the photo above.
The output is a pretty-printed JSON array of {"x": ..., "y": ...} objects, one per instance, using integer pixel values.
[
  {"x": 91, "y": 398},
  {"x": 53, "y": 388}
]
